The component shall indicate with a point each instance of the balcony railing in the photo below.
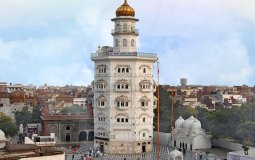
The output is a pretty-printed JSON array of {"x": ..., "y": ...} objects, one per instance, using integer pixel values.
[
  {"x": 122, "y": 108},
  {"x": 136, "y": 54},
  {"x": 127, "y": 31},
  {"x": 144, "y": 108}
]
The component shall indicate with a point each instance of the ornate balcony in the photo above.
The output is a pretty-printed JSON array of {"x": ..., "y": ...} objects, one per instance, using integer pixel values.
[
  {"x": 134, "y": 54},
  {"x": 127, "y": 31}
]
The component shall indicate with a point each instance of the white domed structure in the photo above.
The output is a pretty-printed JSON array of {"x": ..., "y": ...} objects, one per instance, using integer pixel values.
[
  {"x": 189, "y": 135},
  {"x": 179, "y": 122},
  {"x": 188, "y": 122},
  {"x": 176, "y": 155},
  {"x": 196, "y": 125},
  {"x": 2, "y": 139}
]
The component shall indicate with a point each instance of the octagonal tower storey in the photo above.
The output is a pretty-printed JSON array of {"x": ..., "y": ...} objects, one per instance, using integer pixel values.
[{"x": 123, "y": 90}]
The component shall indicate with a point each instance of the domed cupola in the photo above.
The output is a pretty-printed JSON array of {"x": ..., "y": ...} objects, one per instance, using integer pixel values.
[
  {"x": 179, "y": 122},
  {"x": 2, "y": 135},
  {"x": 2, "y": 139},
  {"x": 125, "y": 10},
  {"x": 196, "y": 125},
  {"x": 188, "y": 122}
]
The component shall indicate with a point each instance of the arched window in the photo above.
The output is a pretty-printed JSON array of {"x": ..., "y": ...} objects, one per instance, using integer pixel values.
[
  {"x": 124, "y": 27},
  {"x": 144, "y": 103},
  {"x": 101, "y": 132},
  {"x": 132, "y": 43},
  {"x": 101, "y": 69},
  {"x": 122, "y": 85},
  {"x": 144, "y": 70},
  {"x": 122, "y": 118},
  {"x": 122, "y": 102},
  {"x": 101, "y": 101},
  {"x": 68, "y": 128},
  {"x": 100, "y": 85},
  {"x": 145, "y": 85},
  {"x": 124, "y": 42},
  {"x": 116, "y": 43},
  {"x": 132, "y": 27}
]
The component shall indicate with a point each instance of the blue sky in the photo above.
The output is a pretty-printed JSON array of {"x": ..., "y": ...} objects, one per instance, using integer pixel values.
[{"x": 210, "y": 42}]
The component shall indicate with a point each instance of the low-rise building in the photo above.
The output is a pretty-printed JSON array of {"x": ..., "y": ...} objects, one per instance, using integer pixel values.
[
  {"x": 68, "y": 127},
  {"x": 80, "y": 101},
  {"x": 5, "y": 104},
  {"x": 14, "y": 87}
]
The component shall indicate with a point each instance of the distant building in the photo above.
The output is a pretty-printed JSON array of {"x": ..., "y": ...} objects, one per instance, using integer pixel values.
[
  {"x": 68, "y": 127},
  {"x": 3, "y": 86},
  {"x": 80, "y": 101},
  {"x": 14, "y": 87},
  {"x": 244, "y": 89},
  {"x": 184, "y": 82},
  {"x": 5, "y": 104}
]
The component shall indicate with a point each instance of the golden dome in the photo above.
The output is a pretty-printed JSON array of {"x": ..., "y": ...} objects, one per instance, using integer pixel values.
[{"x": 125, "y": 10}]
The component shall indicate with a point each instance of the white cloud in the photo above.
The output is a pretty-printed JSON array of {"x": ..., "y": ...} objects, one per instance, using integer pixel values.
[
  {"x": 50, "y": 60},
  {"x": 204, "y": 40},
  {"x": 224, "y": 62},
  {"x": 75, "y": 74}
]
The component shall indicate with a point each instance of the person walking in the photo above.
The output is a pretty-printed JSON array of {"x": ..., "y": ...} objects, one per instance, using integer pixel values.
[
  {"x": 200, "y": 155},
  {"x": 196, "y": 155}
]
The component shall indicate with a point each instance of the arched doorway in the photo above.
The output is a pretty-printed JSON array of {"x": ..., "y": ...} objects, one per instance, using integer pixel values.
[
  {"x": 91, "y": 136},
  {"x": 68, "y": 131},
  {"x": 83, "y": 136},
  {"x": 53, "y": 129}
]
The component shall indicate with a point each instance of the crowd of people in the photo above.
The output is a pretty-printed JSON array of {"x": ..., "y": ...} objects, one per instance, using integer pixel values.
[{"x": 84, "y": 152}]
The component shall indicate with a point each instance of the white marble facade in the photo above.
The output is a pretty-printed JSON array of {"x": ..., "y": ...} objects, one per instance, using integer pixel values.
[
  {"x": 123, "y": 91},
  {"x": 189, "y": 135}
]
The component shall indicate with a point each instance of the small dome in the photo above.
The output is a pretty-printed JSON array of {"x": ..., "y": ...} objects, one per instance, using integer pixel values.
[
  {"x": 179, "y": 122},
  {"x": 188, "y": 122},
  {"x": 175, "y": 153},
  {"x": 196, "y": 125},
  {"x": 125, "y": 10},
  {"x": 2, "y": 135}
]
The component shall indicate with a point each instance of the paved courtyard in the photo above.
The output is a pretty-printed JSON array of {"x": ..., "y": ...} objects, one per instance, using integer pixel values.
[{"x": 215, "y": 154}]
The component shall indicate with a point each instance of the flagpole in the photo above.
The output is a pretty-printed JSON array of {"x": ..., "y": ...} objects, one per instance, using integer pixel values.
[
  {"x": 158, "y": 118},
  {"x": 172, "y": 110}
]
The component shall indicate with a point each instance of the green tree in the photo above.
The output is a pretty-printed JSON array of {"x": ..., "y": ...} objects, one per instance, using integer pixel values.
[
  {"x": 165, "y": 111},
  {"x": 25, "y": 116},
  {"x": 245, "y": 132},
  {"x": 7, "y": 125}
]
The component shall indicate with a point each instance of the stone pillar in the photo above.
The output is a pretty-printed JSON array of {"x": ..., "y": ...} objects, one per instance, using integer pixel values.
[
  {"x": 59, "y": 132},
  {"x": 45, "y": 128}
]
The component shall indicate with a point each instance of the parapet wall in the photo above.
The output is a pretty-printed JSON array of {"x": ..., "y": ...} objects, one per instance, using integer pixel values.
[{"x": 231, "y": 145}]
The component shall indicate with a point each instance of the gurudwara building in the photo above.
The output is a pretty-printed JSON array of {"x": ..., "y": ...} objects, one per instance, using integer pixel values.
[
  {"x": 123, "y": 90},
  {"x": 189, "y": 135}
]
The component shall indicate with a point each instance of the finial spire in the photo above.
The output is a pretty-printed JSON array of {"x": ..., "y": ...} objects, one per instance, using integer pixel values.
[{"x": 125, "y": 2}]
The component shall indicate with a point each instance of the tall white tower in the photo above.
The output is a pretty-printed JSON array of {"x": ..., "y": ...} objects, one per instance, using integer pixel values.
[{"x": 123, "y": 90}]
